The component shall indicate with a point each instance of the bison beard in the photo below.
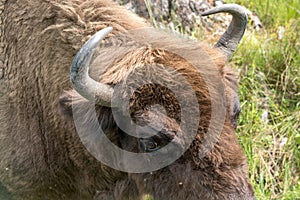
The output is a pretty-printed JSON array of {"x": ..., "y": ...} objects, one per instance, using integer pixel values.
[{"x": 41, "y": 155}]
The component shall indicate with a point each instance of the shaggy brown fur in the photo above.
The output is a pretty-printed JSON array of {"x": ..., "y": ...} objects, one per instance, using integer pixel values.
[{"x": 41, "y": 155}]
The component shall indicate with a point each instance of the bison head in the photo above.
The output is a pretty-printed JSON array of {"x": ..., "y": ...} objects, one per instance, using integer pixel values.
[{"x": 156, "y": 89}]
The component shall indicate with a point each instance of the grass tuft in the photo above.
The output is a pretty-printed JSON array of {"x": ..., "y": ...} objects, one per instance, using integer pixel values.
[{"x": 269, "y": 130}]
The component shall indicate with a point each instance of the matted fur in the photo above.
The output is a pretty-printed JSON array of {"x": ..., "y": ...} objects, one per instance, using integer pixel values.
[{"x": 41, "y": 155}]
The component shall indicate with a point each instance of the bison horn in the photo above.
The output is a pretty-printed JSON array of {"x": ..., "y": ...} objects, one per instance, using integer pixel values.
[
  {"x": 81, "y": 81},
  {"x": 234, "y": 33}
]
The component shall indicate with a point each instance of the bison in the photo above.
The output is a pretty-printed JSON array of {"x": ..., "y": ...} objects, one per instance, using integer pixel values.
[{"x": 48, "y": 133}]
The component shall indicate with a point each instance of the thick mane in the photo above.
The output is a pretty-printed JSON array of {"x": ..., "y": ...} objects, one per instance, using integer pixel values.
[{"x": 76, "y": 19}]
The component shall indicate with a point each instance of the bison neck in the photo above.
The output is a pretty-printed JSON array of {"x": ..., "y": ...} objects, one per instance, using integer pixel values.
[
  {"x": 38, "y": 45},
  {"x": 35, "y": 71},
  {"x": 2, "y": 53}
]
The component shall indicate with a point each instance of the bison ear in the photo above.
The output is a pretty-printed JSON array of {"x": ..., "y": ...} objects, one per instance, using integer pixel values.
[
  {"x": 66, "y": 101},
  {"x": 233, "y": 102}
]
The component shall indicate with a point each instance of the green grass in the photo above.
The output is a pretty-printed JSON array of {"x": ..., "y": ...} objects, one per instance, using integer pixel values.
[
  {"x": 270, "y": 83},
  {"x": 269, "y": 125}
]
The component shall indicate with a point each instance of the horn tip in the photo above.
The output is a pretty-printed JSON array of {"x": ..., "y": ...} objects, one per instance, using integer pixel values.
[
  {"x": 225, "y": 8},
  {"x": 101, "y": 34}
]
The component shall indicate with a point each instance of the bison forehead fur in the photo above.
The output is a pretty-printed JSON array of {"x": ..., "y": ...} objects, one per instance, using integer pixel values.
[{"x": 41, "y": 155}]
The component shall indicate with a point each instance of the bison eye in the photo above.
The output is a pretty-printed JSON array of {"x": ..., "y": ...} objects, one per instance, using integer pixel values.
[{"x": 148, "y": 145}]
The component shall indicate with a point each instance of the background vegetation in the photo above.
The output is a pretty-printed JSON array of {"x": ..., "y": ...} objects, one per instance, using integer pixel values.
[{"x": 269, "y": 126}]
